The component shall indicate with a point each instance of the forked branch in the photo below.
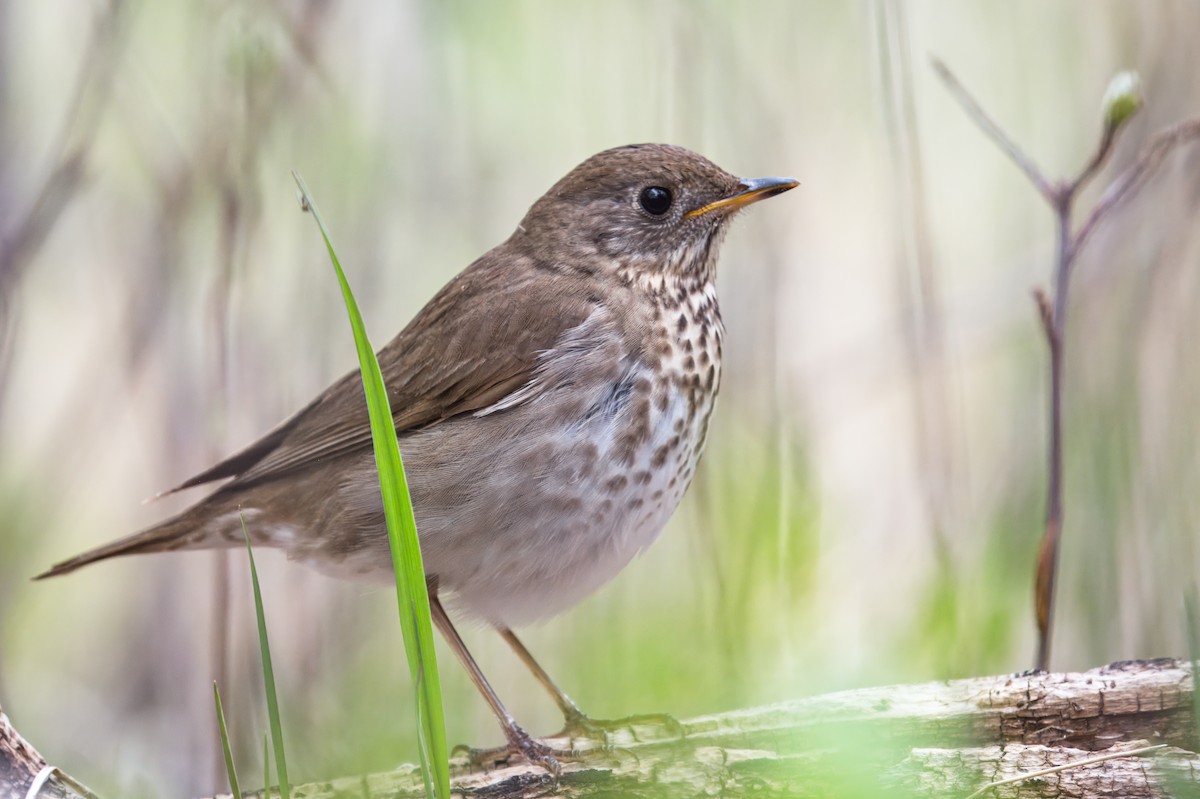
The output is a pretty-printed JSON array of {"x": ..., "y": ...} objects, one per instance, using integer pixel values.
[{"x": 1121, "y": 102}]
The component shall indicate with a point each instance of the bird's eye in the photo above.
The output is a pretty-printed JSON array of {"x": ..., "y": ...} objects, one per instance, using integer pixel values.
[{"x": 655, "y": 200}]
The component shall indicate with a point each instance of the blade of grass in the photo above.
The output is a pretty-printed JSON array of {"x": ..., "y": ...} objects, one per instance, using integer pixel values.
[
  {"x": 1192, "y": 619},
  {"x": 266, "y": 769},
  {"x": 425, "y": 776},
  {"x": 234, "y": 788},
  {"x": 411, "y": 593},
  {"x": 268, "y": 672}
]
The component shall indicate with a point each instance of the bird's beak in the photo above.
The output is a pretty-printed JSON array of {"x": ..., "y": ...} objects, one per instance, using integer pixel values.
[{"x": 751, "y": 190}]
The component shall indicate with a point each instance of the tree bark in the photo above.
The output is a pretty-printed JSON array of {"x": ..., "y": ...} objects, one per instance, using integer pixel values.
[{"x": 931, "y": 739}]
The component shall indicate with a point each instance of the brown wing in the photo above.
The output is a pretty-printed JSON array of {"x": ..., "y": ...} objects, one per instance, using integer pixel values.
[{"x": 474, "y": 343}]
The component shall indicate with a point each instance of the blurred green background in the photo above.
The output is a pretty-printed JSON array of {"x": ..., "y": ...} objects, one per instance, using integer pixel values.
[{"x": 870, "y": 505}]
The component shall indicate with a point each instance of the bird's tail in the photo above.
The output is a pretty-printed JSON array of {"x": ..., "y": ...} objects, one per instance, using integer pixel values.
[{"x": 196, "y": 528}]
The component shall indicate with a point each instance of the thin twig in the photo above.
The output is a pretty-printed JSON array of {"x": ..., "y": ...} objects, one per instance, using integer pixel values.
[
  {"x": 1121, "y": 103},
  {"x": 72, "y": 145},
  {"x": 1087, "y": 761},
  {"x": 1103, "y": 150},
  {"x": 20, "y": 242},
  {"x": 1046, "y": 575},
  {"x": 56, "y": 191},
  {"x": 989, "y": 126},
  {"x": 1132, "y": 179},
  {"x": 1045, "y": 310}
]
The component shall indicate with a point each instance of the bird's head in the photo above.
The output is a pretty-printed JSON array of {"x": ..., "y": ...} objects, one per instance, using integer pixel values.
[{"x": 641, "y": 209}]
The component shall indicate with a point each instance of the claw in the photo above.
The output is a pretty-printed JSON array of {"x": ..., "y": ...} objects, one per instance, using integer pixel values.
[
  {"x": 533, "y": 750},
  {"x": 520, "y": 744},
  {"x": 581, "y": 726}
]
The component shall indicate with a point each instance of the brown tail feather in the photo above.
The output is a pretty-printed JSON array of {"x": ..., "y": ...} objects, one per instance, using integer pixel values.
[
  {"x": 192, "y": 529},
  {"x": 171, "y": 534}
]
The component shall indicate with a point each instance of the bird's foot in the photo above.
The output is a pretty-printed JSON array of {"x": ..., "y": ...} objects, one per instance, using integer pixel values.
[
  {"x": 522, "y": 745},
  {"x": 580, "y": 725},
  {"x": 539, "y": 754}
]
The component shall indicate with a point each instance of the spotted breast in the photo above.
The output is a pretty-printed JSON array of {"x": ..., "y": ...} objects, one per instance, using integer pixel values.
[{"x": 595, "y": 487}]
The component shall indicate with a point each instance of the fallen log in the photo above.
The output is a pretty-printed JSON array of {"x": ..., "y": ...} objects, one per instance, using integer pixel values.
[
  {"x": 25, "y": 774},
  {"x": 1127, "y": 729}
]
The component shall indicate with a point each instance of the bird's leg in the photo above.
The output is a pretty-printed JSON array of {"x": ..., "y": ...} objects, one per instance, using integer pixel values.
[
  {"x": 577, "y": 722},
  {"x": 571, "y": 712},
  {"x": 519, "y": 741}
]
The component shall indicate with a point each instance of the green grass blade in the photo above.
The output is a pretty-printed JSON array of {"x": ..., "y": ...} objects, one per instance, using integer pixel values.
[
  {"x": 234, "y": 788},
  {"x": 1191, "y": 616},
  {"x": 266, "y": 769},
  {"x": 268, "y": 672},
  {"x": 430, "y": 791},
  {"x": 411, "y": 596}
]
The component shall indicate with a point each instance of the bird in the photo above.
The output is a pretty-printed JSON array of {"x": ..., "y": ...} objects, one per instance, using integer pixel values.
[{"x": 551, "y": 403}]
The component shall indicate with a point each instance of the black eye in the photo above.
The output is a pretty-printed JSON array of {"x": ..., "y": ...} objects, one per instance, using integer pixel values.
[{"x": 655, "y": 200}]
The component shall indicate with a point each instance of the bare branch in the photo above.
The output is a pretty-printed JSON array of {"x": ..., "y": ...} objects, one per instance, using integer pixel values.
[
  {"x": 27, "y": 236},
  {"x": 1045, "y": 312},
  {"x": 989, "y": 126},
  {"x": 74, "y": 140},
  {"x": 1132, "y": 179},
  {"x": 1045, "y": 577},
  {"x": 1107, "y": 139},
  {"x": 1122, "y": 100}
]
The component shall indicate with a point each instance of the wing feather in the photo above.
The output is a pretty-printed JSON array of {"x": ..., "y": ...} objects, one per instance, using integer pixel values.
[{"x": 475, "y": 343}]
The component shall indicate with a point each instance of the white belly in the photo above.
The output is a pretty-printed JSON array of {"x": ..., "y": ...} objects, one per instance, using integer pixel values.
[{"x": 611, "y": 514}]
